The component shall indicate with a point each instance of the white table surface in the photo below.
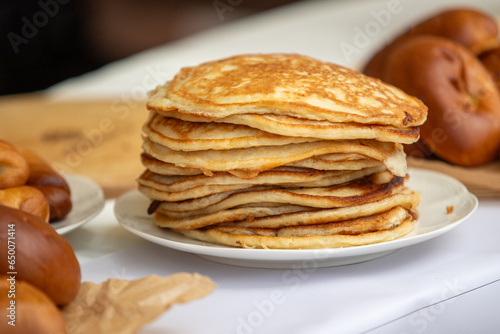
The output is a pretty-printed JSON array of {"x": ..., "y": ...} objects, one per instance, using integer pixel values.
[{"x": 450, "y": 284}]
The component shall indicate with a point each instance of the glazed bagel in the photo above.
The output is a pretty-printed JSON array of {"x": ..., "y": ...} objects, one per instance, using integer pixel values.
[
  {"x": 491, "y": 60},
  {"x": 473, "y": 29},
  {"x": 13, "y": 166},
  {"x": 43, "y": 177},
  {"x": 27, "y": 199},
  {"x": 463, "y": 122},
  {"x": 43, "y": 258},
  {"x": 34, "y": 311}
]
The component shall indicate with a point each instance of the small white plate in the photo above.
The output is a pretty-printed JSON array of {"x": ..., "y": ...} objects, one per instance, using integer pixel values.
[
  {"x": 87, "y": 199},
  {"x": 439, "y": 192}
]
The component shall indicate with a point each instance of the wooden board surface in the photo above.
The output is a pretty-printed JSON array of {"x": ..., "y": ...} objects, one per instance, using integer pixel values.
[
  {"x": 97, "y": 139},
  {"x": 483, "y": 181}
]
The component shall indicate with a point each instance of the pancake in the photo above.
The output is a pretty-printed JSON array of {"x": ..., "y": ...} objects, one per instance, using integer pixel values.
[
  {"x": 201, "y": 191},
  {"x": 299, "y": 127},
  {"x": 165, "y": 168},
  {"x": 330, "y": 162},
  {"x": 227, "y": 216},
  {"x": 173, "y": 189},
  {"x": 287, "y": 84},
  {"x": 190, "y": 136},
  {"x": 280, "y": 176},
  {"x": 266, "y": 216},
  {"x": 382, "y": 221},
  {"x": 322, "y": 239},
  {"x": 280, "y": 151},
  {"x": 262, "y": 158},
  {"x": 351, "y": 193}
]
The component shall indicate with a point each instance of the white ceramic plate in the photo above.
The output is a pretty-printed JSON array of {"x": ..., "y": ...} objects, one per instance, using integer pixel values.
[
  {"x": 88, "y": 200},
  {"x": 438, "y": 192}
]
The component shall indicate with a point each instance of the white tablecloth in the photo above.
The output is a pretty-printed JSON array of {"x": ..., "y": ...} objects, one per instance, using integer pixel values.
[{"x": 450, "y": 284}]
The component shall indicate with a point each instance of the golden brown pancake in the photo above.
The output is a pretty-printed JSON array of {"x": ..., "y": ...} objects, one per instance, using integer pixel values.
[
  {"x": 322, "y": 239},
  {"x": 180, "y": 188},
  {"x": 299, "y": 127},
  {"x": 381, "y": 221},
  {"x": 360, "y": 191},
  {"x": 332, "y": 162},
  {"x": 280, "y": 151},
  {"x": 269, "y": 216},
  {"x": 280, "y": 176},
  {"x": 287, "y": 84},
  {"x": 165, "y": 168},
  {"x": 190, "y": 136},
  {"x": 328, "y": 162},
  {"x": 262, "y": 158}
]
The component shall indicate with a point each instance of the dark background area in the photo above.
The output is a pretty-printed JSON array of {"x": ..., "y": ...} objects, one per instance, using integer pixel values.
[{"x": 46, "y": 41}]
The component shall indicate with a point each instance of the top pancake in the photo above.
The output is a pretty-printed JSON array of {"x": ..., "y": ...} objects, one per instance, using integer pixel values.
[{"x": 287, "y": 84}]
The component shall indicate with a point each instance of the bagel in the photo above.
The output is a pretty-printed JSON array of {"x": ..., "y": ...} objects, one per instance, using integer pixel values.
[
  {"x": 27, "y": 199},
  {"x": 14, "y": 169},
  {"x": 27, "y": 309},
  {"x": 491, "y": 60},
  {"x": 473, "y": 29},
  {"x": 43, "y": 258},
  {"x": 463, "y": 122},
  {"x": 55, "y": 188}
]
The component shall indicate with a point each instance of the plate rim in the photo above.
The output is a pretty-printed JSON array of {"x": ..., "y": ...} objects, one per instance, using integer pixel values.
[
  {"x": 62, "y": 227},
  {"x": 283, "y": 255}
]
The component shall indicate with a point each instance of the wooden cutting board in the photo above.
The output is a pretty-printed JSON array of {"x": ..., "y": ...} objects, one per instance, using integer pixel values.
[{"x": 97, "y": 139}]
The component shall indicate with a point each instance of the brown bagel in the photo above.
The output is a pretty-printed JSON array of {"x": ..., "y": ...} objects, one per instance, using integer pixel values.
[
  {"x": 463, "y": 122},
  {"x": 42, "y": 256},
  {"x": 13, "y": 166},
  {"x": 43, "y": 177},
  {"x": 27, "y": 199},
  {"x": 473, "y": 29},
  {"x": 28, "y": 308},
  {"x": 491, "y": 60}
]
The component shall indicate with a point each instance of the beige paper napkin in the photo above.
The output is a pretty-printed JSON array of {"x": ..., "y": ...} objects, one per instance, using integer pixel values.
[{"x": 122, "y": 307}]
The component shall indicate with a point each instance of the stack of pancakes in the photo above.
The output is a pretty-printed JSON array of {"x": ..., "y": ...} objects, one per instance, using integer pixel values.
[{"x": 280, "y": 151}]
